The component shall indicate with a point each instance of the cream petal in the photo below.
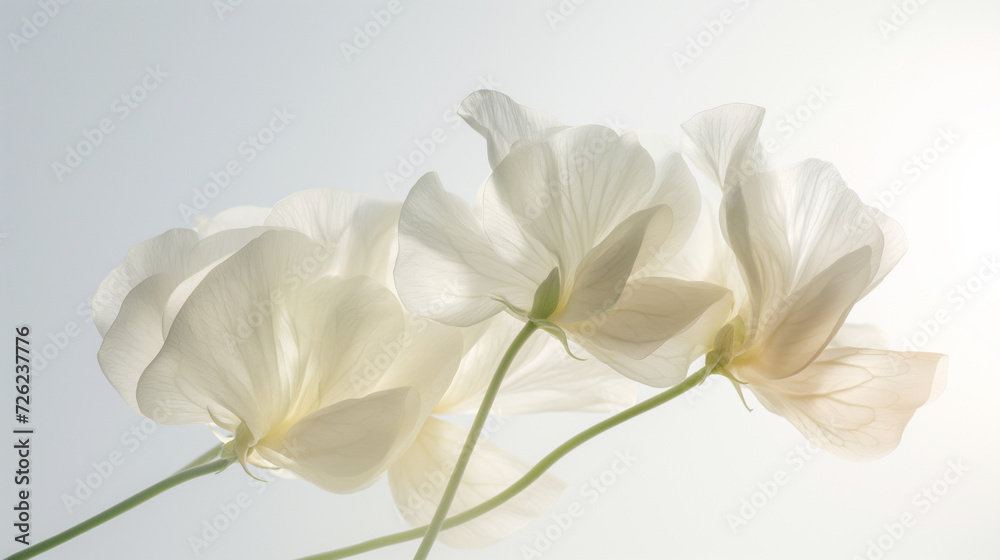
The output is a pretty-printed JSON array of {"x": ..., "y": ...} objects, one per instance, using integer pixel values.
[
  {"x": 503, "y": 122},
  {"x": 419, "y": 477},
  {"x": 802, "y": 325},
  {"x": 859, "y": 336},
  {"x": 233, "y": 345},
  {"x": 164, "y": 253},
  {"x": 359, "y": 230},
  {"x": 658, "y": 328},
  {"x": 723, "y": 143},
  {"x": 238, "y": 217},
  {"x": 789, "y": 227},
  {"x": 346, "y": 446},
  {"x": 564, "y": 194},
  {"x": 135, "y": 337},
  {"x": 542, "y": 377},
  {"x": 426, "y": 356},
  {"x": 650, "y": 311},
  {"x": 446, "y": 269},
  {"x": 855, "y": 402},
  {"x": 604, "y": 272}
]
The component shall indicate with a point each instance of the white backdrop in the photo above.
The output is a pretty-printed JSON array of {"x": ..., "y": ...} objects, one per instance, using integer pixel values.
[{"x": 901, "y": 95}]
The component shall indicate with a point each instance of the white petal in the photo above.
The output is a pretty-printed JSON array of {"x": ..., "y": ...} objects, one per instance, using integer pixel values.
[
  {"x": 164, "y": 253},
  {"x": 677, "y": 188},
  {"x": 346, "y": 446},
  {"x": 503, "y": 122},
  {"x": 426, "y": 356},
  {"x": 233, "y": 218},
  {"x": 855, "y": 402},
  {"x": 859, "y": 336},
  {"x": 605, "y": 270},
  {"x": 650, "y": 311},
  {"x": 359, "y": 230},
  {"x": 446, "y": 269},
  {"x": 723, "y": 142},
  {"x": 418, "y": 480},
  {"x": 136, "y": 336},
  {"x": 787, "y": 228},
  {"x": 803, "y": 324},
  {"x": 236, "y": 348},
  {"x": 658, "y": 328},
  {"x": 565, "y": 194},
  {"x": 542, "y": 377}
]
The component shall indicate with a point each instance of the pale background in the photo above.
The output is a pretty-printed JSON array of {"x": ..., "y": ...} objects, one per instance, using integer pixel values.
[{"x": 889, "y": 95}]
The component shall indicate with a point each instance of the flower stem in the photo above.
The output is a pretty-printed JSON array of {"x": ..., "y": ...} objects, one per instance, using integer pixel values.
[
  {"x": 470, "y": 442},
  {"x": 201, "y": 468},
  {"x": 532, "y": 475}
]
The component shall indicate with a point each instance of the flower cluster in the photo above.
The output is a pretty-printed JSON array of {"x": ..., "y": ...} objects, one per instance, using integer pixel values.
[{"x": 324, "y": 336}]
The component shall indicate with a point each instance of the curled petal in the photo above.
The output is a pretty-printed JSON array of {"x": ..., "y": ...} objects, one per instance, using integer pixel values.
[
  {"x": 503, "y": 122},
  {"x": 723, "y": 142},
  {"x": 855, "y": 402}
]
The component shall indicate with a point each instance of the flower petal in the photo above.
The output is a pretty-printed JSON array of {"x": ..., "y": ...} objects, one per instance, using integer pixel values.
[
  {"x": 855, "y": 402},
  {"x": 359, "y": 230},
  {"x": 136, "y": 336},
  {"x": 666, "y": 321},
  {"x": 802, "y": 325},
  {"x": 503, "y": 122},
  {"x": 542, "y": 378},
  {"x": 723, "y": 142},
  {"x": 346, "y": 446},
  {"x": 419, "y": 477},
  {"x": 566, "y": 194},
  {"x": 253, "y": 332},
  {"x": 237, "y": 217},
  {"x": 446, "y": 269},
  {"x": 603, "y": 274},
  {"x": 164, "y": 253}
]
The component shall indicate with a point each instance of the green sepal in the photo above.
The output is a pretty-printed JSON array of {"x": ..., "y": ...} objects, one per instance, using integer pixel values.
[
  {"x": 556, "y": 331},
  {"x": 546, "y": 297}
]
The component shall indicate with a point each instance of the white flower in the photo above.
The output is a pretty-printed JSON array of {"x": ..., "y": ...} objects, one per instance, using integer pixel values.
[
  {"x": 568, "y": 215},
  {"x": 543, "y": 378},
  {"x": 312, "y": 372},
  {"x": 808, "y": 249},
  {"x": 136, "y": 304}
]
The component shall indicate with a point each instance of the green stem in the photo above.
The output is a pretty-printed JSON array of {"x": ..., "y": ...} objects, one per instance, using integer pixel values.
[
  {"x": 203, "y": 458},
  {"x": 470, "y": 442},
  {"x": 532, "y": 475},
  {"x": 116, "y": 510}
]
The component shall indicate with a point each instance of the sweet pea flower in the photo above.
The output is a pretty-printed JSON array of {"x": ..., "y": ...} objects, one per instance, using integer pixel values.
[
  {"x": 137, "y": 302},
  {"x": 272, "y": 341},
  {"x": 807, "y": 249},
  {"x": 567, "y": 216}
]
